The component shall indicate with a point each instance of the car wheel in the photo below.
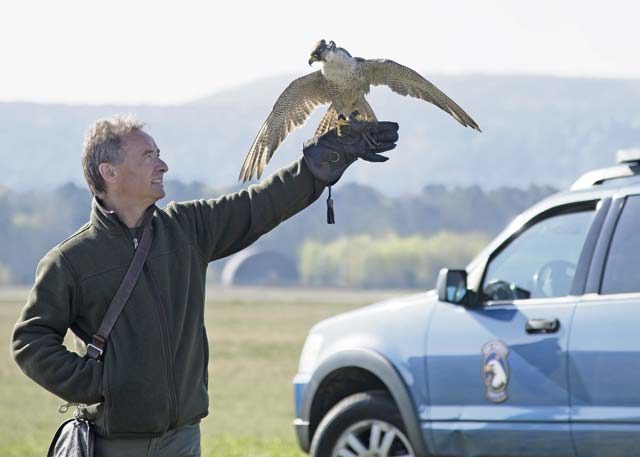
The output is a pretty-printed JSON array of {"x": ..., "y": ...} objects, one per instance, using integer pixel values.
[{"x": 363, "y": 424}]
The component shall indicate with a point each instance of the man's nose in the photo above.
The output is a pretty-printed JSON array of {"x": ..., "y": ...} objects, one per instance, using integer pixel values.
[{"x": 162, "y": 166}]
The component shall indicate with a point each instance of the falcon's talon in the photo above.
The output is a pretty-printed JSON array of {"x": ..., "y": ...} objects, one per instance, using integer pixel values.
[{"x": 340, "y": 123}]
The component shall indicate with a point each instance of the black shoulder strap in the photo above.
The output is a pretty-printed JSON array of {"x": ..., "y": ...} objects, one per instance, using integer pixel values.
[{"x": 96, "y": 347}]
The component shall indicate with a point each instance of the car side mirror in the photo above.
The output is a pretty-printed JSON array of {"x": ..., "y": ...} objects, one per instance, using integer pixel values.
[{"x": 452, "y": 286}]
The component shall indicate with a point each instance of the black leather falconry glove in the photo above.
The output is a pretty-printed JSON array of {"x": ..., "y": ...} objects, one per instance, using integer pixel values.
[{"x": 329, "y": 155}]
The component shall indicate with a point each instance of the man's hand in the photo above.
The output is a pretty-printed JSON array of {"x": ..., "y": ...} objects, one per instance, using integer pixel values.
[{"x": 329, "y": 155}]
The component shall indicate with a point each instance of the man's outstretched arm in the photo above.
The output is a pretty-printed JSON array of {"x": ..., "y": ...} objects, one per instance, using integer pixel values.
[{"x": 225, "y": 225}]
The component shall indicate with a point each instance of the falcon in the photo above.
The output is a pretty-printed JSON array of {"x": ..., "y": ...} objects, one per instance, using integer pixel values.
[{"x": 342, "y": 83}]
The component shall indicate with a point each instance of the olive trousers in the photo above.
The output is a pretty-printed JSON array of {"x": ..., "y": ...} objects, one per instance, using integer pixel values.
[{"x": 181, "y": 442}]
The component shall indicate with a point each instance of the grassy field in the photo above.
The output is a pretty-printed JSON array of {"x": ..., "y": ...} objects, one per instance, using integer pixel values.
[{"x": 255, "y": 337}]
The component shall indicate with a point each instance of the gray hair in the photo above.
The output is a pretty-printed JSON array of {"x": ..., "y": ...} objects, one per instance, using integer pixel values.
[{"x": 102, "y": 145}]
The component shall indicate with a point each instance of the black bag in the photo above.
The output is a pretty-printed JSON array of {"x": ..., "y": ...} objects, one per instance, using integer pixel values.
[{"x": 74, "y": 438}]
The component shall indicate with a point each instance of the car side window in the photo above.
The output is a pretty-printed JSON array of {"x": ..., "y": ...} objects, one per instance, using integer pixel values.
[
  {"x": 541, "y": 261},
  {"x": 622, "y": 268}
]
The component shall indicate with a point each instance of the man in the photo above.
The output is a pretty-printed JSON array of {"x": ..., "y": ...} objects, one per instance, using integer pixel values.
[{"x": 148, "y": 392}]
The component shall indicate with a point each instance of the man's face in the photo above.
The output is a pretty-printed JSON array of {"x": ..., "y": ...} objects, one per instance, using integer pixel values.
[{"x": 139, "y": 176}]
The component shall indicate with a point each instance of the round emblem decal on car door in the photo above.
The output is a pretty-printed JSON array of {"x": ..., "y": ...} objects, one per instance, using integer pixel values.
[{"x": 495, "y": 370}]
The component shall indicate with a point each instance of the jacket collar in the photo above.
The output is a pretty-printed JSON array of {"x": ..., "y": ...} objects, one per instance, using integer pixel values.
[{"x": 104, "y": 219}]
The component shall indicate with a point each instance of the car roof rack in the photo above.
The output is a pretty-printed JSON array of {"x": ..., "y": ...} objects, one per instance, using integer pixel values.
[{"x": 629, "y": 160}]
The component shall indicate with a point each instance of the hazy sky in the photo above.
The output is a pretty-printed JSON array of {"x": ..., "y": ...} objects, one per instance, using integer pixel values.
[{"x": 115, "y": 51}]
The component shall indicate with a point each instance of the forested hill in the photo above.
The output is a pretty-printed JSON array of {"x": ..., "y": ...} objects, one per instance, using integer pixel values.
[{"x": 536, "y": 130}]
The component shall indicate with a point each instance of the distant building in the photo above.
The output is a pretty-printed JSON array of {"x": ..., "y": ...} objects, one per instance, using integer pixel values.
[{"x": 257, "y": 267}]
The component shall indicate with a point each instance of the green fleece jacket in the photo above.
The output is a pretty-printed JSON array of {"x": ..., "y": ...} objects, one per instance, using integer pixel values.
[{"x": 153, "y": 376}]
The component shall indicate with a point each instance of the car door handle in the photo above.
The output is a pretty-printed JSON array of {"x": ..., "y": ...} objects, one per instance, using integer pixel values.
[{"x": 542, "y": 325}]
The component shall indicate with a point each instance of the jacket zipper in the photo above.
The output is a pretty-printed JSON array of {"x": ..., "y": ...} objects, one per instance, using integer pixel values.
[{"x": 166, "y": 346}]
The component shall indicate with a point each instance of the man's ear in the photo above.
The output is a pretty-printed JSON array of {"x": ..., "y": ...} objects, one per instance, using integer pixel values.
[{"x": 108, "y": 172}]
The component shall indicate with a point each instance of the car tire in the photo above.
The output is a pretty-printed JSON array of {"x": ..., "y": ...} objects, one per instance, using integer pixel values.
[{"x": 362, "y": 424}]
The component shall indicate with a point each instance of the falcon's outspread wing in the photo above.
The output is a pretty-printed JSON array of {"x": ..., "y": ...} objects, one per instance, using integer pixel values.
[
  {"x": 404, "y": 81},
  {"x": 291, "y": 110}
]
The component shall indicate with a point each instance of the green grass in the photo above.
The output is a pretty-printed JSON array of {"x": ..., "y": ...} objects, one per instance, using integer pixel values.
[{"x": 254, "y": 354}]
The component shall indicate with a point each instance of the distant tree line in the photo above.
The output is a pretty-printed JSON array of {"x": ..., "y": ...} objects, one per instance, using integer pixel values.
[
  {"x": 388, "y": 261},
  {"x": 378, "y": 240}
]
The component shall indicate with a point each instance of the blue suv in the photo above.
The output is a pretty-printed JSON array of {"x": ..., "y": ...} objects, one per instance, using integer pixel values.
[{"x": 532, "y": 350}]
